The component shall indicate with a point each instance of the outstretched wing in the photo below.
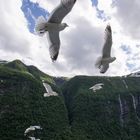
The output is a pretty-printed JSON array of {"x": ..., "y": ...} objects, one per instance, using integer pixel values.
[
  {"x": 48, "y": 88},
  {"x": 54, "y": 43},
  {"x": 61, "y": 11},
  {"x": 99, "y": 84},
  {"x": 108, "y": 42}
]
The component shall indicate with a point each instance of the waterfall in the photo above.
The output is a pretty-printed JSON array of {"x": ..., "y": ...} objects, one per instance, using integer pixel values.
[
  {"x": 121, "y": 110},
  {"x": 135, "y": 105},
  {"x": 125, "y": 84},
  {"x": 133, "y": 100}
]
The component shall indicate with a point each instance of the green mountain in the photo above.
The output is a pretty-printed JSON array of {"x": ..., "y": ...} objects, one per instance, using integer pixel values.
[
  {"x": 111, "y": 113},
  {"x": 77, "y": 113}
]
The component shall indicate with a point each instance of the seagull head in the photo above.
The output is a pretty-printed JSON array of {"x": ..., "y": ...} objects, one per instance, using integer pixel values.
[
  {"x": 113, "y": 58},
  {"x": 108, "y": 27},
  {"x": 65, "y": 25}
]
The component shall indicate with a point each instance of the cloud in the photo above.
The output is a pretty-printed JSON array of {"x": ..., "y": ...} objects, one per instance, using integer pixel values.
[
  {"x": 13, "y": 31},
  {"x": 81, "y": 43},
  {"x": 32, "y": 11},
  {"x": 128, "y": 17}
]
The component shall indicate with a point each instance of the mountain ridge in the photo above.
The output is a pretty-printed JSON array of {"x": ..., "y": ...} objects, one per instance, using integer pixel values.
[{"x": 77, "y": 113}]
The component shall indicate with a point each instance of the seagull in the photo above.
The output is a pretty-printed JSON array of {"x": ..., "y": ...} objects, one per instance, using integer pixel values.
[
  {"x": 33, "y": 138},
  {"x": 49, "y": 90},
  {"x": 96, "y": 87},
  {"x": 31, "y": 128},
  {"x": 103, "y": 62},
  {"x": 53, "y": 26}
]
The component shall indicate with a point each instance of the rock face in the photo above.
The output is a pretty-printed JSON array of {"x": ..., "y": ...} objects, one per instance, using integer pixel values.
[
  {"x": 135, "y": 74},
  {"x": 111, "y": 113}
]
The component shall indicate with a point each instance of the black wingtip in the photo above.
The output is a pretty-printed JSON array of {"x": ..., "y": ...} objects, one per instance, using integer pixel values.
[
  {"x": 74, "y": 1},
  {"x": 108, "y": 28},
  {"x": 102, "y": 72},
  {"x": 54, "y": 58}
]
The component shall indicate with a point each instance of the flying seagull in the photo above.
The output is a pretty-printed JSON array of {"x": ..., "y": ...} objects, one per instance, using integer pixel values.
[
  {"x": 96, "y": 87},
  {"x": 33, "y": 138},
  {"x": 53, "y": 26},
  {"x": 49, "y": 90},
  {"x": 103, "y": 61},
  {"x": 31, "y": 128}
]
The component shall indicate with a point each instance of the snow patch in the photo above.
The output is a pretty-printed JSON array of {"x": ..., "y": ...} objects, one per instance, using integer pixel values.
[{"x": 136, "y": 74}]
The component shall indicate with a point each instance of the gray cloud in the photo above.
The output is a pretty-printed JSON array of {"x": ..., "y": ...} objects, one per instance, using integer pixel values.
[
  {"x": 128, "y": 16},
  {"x": 12, "y": 42},
  {"x": 12, "y": 36},
  {"x": 81, "y": 44},
  {"x": 84, "y": 44}
]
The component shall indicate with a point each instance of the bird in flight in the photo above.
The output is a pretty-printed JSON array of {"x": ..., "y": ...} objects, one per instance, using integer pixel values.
[
  {"x": 53, "y": 26},
  {"x": 103, "y": 62},
  {"x": 96, "y": 87},
  {"x": 49, "y": 90}
]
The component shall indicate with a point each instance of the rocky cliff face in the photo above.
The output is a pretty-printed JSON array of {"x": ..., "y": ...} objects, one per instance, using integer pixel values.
[
  {"x": 135, "y": 74},
  {"x": 77, "y": 113}
]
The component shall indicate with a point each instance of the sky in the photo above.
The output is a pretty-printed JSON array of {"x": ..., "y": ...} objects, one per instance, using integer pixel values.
[{"x": 81, "y": 42}]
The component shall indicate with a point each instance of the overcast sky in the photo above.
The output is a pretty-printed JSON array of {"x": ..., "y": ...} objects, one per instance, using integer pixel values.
[{"x": 81, "y": 43}]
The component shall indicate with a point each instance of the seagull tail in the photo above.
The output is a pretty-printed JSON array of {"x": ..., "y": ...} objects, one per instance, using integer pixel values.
[
  {"x": 98, "y": 62},
  {"x": 40, "y": 26}
]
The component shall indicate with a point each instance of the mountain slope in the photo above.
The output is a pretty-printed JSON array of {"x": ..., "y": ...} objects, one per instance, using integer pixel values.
[
  {"x": 77, "y": 113},
  {"x": 19, "y": 66},
  {"x": 22, "y": 105},
  {"x": 112, "y": 112}
]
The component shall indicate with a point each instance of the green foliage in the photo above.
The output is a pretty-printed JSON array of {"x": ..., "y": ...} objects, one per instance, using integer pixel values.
[
  {"x": 22, "y": 104},
  {"x": 17, "y": 65},
  {"x": 96, "y": 115},
  {"x": 77, "y": 113}
]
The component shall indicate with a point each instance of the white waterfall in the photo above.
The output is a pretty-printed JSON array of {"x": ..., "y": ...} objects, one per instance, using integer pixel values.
[
  {"x": 121, "y": 110},
  {"x": 125, "y": 84},
  {"x": 133, "y": 99}
]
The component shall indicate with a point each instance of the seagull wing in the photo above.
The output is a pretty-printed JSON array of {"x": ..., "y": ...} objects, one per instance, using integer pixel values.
[
  {"x": 54, "y": 43},
  {"x": 32, "y": 138},
  {"x": 48, "y": 88},
  {"x": 61, "y": 11},
  {"x": 92, "y": 87},
  {"x": 108, "y": 42},
  {"x": 31, "y": 128},
  {"x": 37, "y": 127},
  {"x": 100, "y": 84}
]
